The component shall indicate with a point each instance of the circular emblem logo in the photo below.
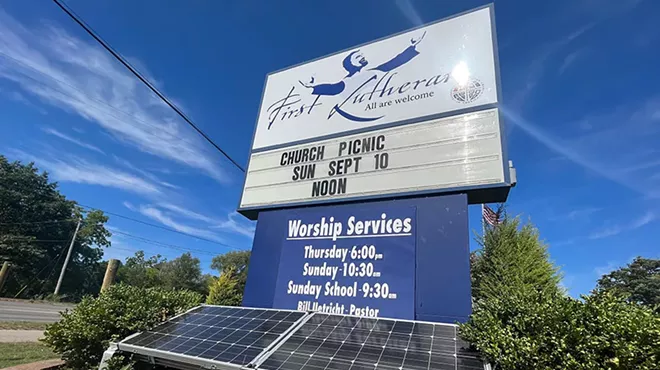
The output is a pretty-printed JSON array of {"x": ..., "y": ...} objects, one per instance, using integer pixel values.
[{"x": 469, "y": 92}]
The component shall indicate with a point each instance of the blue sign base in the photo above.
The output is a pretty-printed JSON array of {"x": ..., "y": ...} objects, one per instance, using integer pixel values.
[{"x": 404, "y": 258}]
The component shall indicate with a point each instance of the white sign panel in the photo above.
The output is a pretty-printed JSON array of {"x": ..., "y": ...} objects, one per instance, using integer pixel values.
[
  {"x": 441, "y": 154},
  {"x": 440, "y": 68}
]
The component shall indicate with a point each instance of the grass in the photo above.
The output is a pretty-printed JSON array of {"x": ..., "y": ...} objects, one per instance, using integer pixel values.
[
  {"x": 12, "y": 354},
  {"x": 22, "y": 325}
]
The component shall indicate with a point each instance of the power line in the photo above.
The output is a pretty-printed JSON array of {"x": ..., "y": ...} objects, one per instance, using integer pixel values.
[
  {"x": 56, "y": 260},
  {"x": 160, "y": 244},
  {"x": 39, "y": 222},
  {"x": 36, "y": 276},
  {"x": 161, "y": 227},
  {"x": 70, "y": 96},
  {"x": 151, "y": 251},
  {"x": 115, "y": 231},
  {"x": 27, "y": 239},
  {"x": 105, "y": 45},
  {"x": 54, "y": 267}
]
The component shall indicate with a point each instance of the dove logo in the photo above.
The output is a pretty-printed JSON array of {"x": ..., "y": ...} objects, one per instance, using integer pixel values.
[{"x": 359, "y": 86}]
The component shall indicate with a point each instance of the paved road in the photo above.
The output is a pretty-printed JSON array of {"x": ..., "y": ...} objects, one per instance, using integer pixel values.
[{"x": 27, "y": 311}]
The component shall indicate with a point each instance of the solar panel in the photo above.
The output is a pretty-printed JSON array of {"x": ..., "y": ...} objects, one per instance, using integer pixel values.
[
  {"x": 214, "y": 335},
  {"x": 233, "y": 337},
  {"x": 329, "y": 342}
]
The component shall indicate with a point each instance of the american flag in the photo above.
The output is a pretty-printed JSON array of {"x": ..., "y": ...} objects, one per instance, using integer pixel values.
[{"x": 490, "y": 216}]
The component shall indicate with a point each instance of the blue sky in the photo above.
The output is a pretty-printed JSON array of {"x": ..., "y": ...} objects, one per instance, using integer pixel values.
[{"x": 580, "y": 98}]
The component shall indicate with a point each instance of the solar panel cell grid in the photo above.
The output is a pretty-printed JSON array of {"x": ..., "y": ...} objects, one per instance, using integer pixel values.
[
  {"x": 237, "y": 336},
  {"x": 327, "y": 342},
  {"x": 223, "y": 334}
]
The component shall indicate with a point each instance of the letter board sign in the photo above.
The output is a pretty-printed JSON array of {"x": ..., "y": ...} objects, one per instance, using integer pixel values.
[
  {"x": 410, "y": 114},
  {"x": 441, "y": 154}
]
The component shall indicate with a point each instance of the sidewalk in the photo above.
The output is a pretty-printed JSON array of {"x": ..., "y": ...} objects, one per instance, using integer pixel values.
[
  {"x": 41, "y": 365},
  {"x": 9, "y": 336}
]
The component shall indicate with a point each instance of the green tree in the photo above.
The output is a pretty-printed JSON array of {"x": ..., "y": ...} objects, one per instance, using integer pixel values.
[
  {"x": 37, "y": 223},
  {"x": 236, "y": 260},
  {"x": 522, "y": 320},
  {"x": 183, "y": 272},
  {"x": 226, "y": 290},
  {"x": 140, "y": 271},
  {"x": 511, "y": 259},
  {"x": 638, "y": 282}
]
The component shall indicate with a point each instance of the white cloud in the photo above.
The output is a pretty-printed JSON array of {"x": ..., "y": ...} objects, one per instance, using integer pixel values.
[
  {"x": 78, "y": 170},
  {"x": 569, "y": 60},
  {"x": 81, "y": 78},
  {"x": 642, "y": 166},
  {"x": 607, "y": 232},
  {"x": 123, "y": 246},
  {"x": 606, "y": 269},
  {"x": 233, "y": 224},
  {"x": 119, "y": 249},
  {"x": 533, "y": 70},
  {"x": 169, "y": 185},
  {"x": 582, "y": 213},
  {"x": 187, "y": 213},
  {"x": 562, "y": 243},
  {"x": 641, "y": 221},
  {"x": 240, "y": 227},
  {"x": 612, "y": 265},
  {"x": 604, "y": 10},
  {"x": 626, "y": 126},
  {"x": 16, "y": 96},
  {"x": 567, "y": 282},
  {"x": 409, "y": 11},
  {"x": 145, "y": 173},
  {"x": 161, "y": 217},
  {"x": 20, "y": 98},
  {"x": 63, "y": 136}
]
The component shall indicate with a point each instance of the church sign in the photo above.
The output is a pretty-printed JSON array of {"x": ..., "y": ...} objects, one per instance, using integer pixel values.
[{"x": 412, "y": 113}]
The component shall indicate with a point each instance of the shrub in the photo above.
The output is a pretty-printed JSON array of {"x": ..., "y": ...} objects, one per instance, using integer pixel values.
[
  {"x": 513, "y": 258},
  {"x": 551, "y": 331},
  {"x": 227, "y": 290},
  {"x": 85, "y": 332}
]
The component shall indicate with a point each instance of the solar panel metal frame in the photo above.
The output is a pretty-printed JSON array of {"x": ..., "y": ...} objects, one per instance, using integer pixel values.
[
  {"x": 204, "y": 362},
  {"x": 259, "y": 360},
  {"x": 278, "y": 343}
]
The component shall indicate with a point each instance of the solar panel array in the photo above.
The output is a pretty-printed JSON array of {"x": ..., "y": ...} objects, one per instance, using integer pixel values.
[
  {"x": 221, "y": 334},
  {"x": 231, "y": 337},
  {"x": 345, "y": 342}
]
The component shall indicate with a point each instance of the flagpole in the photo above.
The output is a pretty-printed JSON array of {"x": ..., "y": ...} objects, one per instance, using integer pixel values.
[{"x": 483, "y": 221}]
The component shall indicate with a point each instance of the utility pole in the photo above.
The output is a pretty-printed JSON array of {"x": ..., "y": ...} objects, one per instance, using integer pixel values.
[
  {"x": 4, "y": 273},
  {"x": 110, "y": 274},
  {"x": 66, "y": 261}
]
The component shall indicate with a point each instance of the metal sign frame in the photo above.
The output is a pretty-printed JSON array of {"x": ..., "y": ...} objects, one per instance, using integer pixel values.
[{"x": 476, "y": 194}]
